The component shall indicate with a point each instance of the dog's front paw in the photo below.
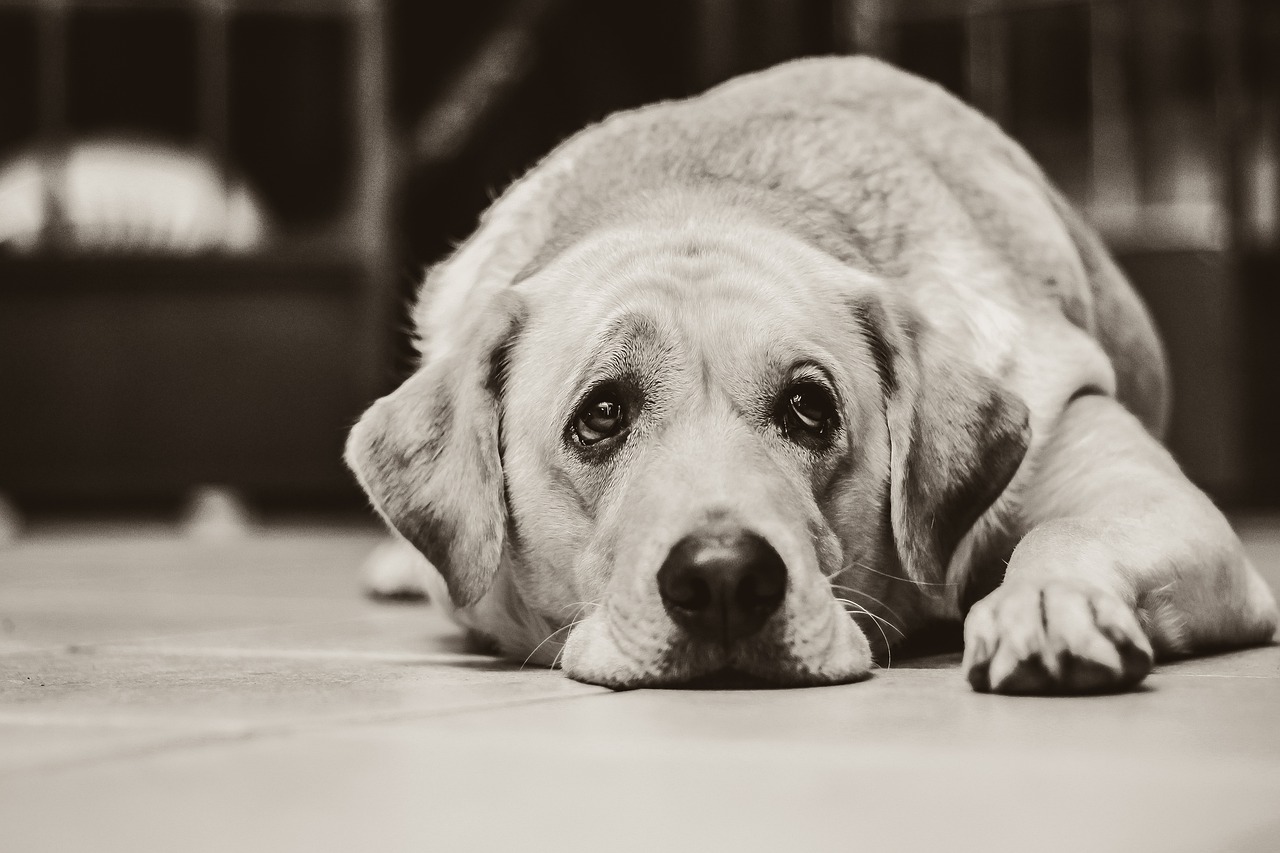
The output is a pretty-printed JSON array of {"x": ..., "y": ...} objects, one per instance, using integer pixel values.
[{"x": 1054, "y": 637}]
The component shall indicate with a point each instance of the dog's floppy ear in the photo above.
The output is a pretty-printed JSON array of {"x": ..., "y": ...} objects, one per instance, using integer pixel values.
[
  {"x": 428, "y": 454},
  {"x": 956, "y": 438}
]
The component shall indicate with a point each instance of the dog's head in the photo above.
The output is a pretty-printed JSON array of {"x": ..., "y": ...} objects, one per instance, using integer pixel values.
[{"x": 701, "y": 448}]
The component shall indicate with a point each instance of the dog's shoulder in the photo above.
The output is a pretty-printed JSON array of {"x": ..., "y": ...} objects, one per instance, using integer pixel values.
[
  {"x": 1050, "y": 255},
  {"x": 874, "y": 166}
]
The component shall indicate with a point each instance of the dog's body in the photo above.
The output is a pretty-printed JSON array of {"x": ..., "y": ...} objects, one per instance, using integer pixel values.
[{"x": 829, "y": 334}]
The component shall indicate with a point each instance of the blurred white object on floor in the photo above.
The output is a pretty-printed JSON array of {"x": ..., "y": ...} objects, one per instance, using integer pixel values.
[
  {"x": 396, "y": 571},
  {"x": 217, "y": 514},
  {"x": 128, "y": 198}
]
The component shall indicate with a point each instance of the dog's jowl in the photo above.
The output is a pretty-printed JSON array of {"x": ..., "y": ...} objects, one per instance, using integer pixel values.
[{"x": 759, "y": 383}]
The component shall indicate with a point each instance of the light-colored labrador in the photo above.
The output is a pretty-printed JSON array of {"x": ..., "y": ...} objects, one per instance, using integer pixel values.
[{"x": 763, "y": 381}]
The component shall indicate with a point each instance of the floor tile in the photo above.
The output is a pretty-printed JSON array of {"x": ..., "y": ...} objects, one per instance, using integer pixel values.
[
  {"x": 415, "y": 787},
  {"x": 306, "y": 562},
  {"x": 56, "y": 591},
  {"x": 234, "y": 691},
  {"x": 26, "y": 748},
  {"x": 40, "y": 619},
  {"x": 162, "y": 694},
  {"x": 1185, "y": 718},
  {"x": 391, "y": 631}
]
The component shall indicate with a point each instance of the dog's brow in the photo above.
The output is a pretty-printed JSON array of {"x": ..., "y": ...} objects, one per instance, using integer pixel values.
[
  {"x": 614, "y": 345},
  {"x": 629, "y": 326}
]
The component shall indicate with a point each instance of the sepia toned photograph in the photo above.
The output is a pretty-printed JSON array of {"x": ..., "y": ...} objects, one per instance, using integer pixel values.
[{"x": 779, "y": 425}]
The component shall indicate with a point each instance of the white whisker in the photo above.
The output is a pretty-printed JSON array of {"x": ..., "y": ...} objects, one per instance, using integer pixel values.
[
  {"x": 867, "y": 568},
  {"x": 860, "y": 609},
  {"x": 865, "y": 594},
  {"x": 556, "y": 660},
  {"x": 888, "y": 649},
  {"x": 580, "y": 605},
  {"x": 876, "y": 621},
  {"x": 545, "y": 641},
  {"x": 575, "y": 620}
]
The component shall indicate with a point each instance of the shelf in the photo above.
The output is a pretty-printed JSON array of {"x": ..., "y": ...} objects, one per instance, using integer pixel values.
[
  {"x": 294, "y": 8},
  {"x": 210, "y": 273}
]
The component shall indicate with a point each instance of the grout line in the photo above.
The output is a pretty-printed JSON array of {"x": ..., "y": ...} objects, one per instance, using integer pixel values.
[
  {"x": 289, "y": 654},
  {"x": 406, "y": 715},
  {"x": 134, "y": 594},
  {"x": 126, "y": 753},
  {"x": 232, "y": 728},
  {"x": 89, "y": 646},
  {"x": 1218, "y": 675},
  {"x": 121, "y": 723},
  {"x": 246, "y": 732},
  {"x": 246, "y": 727}
]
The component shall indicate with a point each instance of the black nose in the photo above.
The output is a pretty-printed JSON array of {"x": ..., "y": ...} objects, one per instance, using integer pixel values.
[{"x": 722, "y": 584}]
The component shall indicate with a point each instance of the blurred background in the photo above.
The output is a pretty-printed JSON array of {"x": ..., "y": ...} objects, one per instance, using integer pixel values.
[{"x": 214, "y": 212}]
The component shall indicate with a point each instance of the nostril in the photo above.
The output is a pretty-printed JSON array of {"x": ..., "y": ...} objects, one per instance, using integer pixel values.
[
  {"x": 764, "y": 585},
  {"x": 687, "y": 590}
]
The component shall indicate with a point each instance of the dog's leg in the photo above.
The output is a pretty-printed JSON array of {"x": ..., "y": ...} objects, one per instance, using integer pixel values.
[{"x": 1124, "y": 558}]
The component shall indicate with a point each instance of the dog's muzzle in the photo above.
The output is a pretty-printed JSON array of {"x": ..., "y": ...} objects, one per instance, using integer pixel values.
[
  {"x": 734, "y": 612},
  {"x": 722, "y": 583}
]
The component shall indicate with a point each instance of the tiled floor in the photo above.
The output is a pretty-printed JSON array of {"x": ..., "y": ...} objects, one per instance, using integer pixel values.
[{"x": 160, "y": 694}]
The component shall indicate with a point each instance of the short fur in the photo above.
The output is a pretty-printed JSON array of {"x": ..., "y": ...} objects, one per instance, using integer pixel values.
[{"x": 1001, "y": 392}]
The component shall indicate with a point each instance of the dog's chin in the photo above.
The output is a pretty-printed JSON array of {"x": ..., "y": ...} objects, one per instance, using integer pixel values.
[
  {"x": 835, "y": 652},
  {"x": 731, "y": 678}
]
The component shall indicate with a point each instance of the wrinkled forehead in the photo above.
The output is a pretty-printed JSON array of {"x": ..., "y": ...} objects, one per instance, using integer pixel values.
[{"x": 726, "y": 307}]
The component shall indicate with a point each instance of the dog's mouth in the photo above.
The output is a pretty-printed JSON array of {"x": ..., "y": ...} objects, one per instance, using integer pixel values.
[
  {"x": 732, "y": 679},
  {"x": 736, "y": 679},
  {"x": 729, "y": 679},
  {"x": 824, "y": 647}
]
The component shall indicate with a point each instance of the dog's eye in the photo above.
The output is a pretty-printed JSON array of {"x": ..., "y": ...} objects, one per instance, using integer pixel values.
[
  {"x": 600, "y": 417},
  {"x": 806, "y": 410}
]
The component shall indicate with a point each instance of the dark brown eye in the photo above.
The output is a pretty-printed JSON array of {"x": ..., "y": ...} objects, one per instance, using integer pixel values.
[
  {"x": 599, "y": 418},
  {"x": 806, "y": 411}
]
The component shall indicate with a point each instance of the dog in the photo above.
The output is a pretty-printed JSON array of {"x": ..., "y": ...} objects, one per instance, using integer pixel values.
[{"x": 758, "y": 384}]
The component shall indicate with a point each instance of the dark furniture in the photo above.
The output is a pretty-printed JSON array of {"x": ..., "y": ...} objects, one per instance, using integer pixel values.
[{"x": 136, "y": 378}]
